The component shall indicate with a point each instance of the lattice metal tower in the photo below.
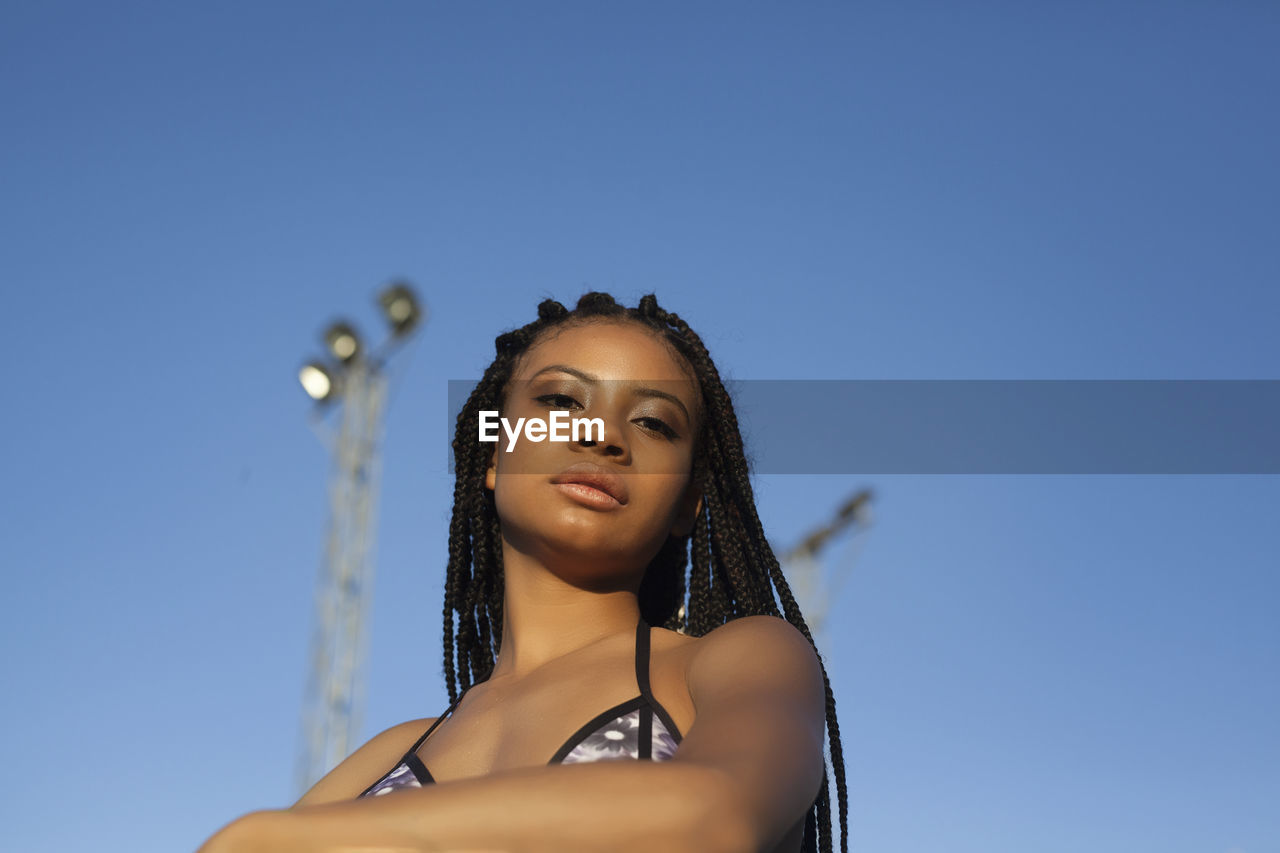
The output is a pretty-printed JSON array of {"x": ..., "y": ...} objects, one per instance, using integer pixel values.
[{"x": 355, "y": 383}]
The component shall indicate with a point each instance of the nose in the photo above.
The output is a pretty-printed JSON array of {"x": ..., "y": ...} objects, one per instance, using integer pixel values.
[{"x": 613, "y": 443}]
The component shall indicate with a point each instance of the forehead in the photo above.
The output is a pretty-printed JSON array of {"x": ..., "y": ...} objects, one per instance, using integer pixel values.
[{"x": 607, "y": 350}]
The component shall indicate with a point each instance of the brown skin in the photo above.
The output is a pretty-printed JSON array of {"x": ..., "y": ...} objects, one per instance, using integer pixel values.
[{"x": 749, "y": 696}]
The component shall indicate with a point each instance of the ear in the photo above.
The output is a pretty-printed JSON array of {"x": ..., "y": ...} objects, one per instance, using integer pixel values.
[
  {"x": 687, "y": 513},
  {"x": 491, "y": 475}
]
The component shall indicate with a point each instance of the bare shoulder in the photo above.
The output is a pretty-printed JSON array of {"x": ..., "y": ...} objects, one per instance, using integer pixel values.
[
  {"x": 364, "y": 766},
  {"x": 396, "y": 740},
  {"x": 411, "y": 729},
  {"x": 754, "y": 652},
  {"x": 762, "y": 625},
  {"x": 759, "y": 633},
  {"x": 742, "y": 629}
]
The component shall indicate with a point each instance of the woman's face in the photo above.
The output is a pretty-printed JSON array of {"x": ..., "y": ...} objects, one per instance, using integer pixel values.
[{"x": 600, "y": 536}]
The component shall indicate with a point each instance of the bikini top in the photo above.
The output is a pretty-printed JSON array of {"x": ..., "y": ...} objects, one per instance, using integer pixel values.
[{"x": 638, "y": 728}]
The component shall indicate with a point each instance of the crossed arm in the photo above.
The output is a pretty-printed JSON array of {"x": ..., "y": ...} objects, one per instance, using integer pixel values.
[{"x": 747, "y": 770}]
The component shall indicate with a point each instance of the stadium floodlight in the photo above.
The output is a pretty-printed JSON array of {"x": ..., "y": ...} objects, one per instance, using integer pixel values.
[
  {"x": 351, "y": 381},
  {"x": 401, "y": 308},
  {"x": 343, "y": 342},
  {"x": 317, "y": 381}
]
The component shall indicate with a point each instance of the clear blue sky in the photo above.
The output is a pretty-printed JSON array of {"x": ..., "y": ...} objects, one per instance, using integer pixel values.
[{"x": 188, "y": 192}]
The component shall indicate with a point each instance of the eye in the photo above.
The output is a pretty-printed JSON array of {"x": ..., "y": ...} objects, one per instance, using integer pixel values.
[
  {"x": 558, "y": 401},
  {"x": 658, "y": 426}
]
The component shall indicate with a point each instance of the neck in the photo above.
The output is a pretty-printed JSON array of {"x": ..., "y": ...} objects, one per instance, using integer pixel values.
[{"x": 544, "y": 617}]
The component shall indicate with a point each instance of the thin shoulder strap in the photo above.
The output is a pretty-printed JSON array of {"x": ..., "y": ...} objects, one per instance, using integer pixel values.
[
  {"x": 439, "y": 720},
  {"x": 642, "y": 658},
  {"x": 642, "y": 680}
]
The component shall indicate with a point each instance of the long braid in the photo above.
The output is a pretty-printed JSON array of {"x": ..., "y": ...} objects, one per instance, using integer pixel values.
[{"x": 731, "y": 569}]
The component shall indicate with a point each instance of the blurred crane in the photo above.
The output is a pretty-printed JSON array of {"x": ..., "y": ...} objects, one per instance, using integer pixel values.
[
  {"x": 815, "y": 589},
  {"x": 354, "y": 382}
]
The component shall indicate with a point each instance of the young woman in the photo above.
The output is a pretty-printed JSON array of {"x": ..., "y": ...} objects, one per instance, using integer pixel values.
[{"x": 581, "y": 638}]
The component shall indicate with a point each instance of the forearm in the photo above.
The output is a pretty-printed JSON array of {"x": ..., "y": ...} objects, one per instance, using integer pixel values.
[{"x": 605, "y": 806}]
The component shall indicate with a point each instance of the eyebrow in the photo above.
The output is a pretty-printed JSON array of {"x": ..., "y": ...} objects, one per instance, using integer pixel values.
[{"x": 587, "y": 377}]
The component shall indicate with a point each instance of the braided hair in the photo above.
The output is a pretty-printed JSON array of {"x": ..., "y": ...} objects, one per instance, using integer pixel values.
[{"x": 734, "y": 570}]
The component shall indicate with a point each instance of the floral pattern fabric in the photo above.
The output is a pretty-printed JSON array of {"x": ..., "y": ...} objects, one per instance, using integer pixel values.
[
  {"x": 615, "y": 740},
  {"x": 621, "y": 739},
  {"x": 401, "y": 777}
]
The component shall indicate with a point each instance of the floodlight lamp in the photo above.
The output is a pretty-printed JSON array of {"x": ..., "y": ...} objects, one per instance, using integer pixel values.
[
  {"x": 343, "y": 342},
  {"x": 401, "y": 308},
  {"x": 317, "y": 381}
]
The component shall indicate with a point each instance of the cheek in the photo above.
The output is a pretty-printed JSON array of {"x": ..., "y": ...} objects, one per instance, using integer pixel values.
[
  {"x": 667, "y": 490},
  {"x": 512, "y": 501}
]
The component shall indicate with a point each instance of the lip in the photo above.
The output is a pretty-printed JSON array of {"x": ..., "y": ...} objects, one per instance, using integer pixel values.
[{"x": 596, "y": 477}]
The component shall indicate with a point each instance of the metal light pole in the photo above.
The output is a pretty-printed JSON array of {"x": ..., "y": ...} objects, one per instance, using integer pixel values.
[{"x": 354, "y": 382}]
